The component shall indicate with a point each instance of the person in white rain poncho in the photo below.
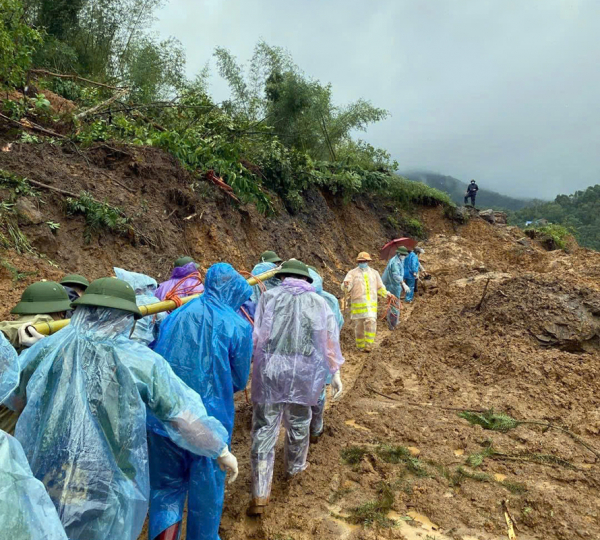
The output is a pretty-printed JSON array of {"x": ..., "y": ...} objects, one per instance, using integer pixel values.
[
  {"x": 26, "y": 511},
  {"x": 146, "y": 329},
  {"x": 296, "y": 346},
  {"x": 83, "y": 427}
]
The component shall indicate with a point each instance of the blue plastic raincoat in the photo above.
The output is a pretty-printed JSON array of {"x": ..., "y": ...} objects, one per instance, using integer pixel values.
[
  {"x": 269, "y": 284},
  {"x": 411, "y": 267},
  {"x": 332, "y": 301},
  {"x": 83, "y": 428},
  {"x": 394, "y": 276},
  {"x": 210, "y": 347},
  {"x": 26, "y": 511},
  {"x": 146, "y": 329}
]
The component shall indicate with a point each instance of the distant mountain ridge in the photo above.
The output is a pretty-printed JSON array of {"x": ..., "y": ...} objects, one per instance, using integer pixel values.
[{"x": 456, "y": 189}]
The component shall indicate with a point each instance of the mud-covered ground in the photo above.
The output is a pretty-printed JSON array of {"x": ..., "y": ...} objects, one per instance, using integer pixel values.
[
  {"x": 531, "y": 350},
  {"x": 528, "y": 347}
]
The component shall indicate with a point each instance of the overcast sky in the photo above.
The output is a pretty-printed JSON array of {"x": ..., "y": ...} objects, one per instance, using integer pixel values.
[{"x": 503, "y": 91}]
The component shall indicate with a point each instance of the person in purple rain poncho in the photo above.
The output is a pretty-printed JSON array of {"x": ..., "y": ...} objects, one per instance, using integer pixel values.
[
  {"x": 184, "y": 281},
  {"x": 296, "y": 346}
]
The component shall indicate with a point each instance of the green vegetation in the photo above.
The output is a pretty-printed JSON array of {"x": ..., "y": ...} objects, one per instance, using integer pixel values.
[
  {"x": 280, "y": 133},
  {"x": 490, "y": 420},
  {"x": 352, "y": 455},
  {"x": 578, "y": 213},
  {"x": 17, "y": 43},
  {"x": 399, "y": 454},
  {"x": 98, "y": 216},
  {"x": 374, "y": 512},
  {"x": 552, "y": 236}
]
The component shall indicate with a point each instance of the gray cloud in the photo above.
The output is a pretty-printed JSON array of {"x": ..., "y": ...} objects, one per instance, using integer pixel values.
[{"x": 504, "y": 91}]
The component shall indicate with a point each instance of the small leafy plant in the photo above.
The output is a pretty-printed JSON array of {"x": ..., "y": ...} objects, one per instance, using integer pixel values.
[{"x": 99, "y": 216}]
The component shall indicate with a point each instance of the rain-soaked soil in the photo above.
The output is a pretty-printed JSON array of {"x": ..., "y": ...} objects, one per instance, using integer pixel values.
[
  {"x": 528, "y": 347},
  {"x": 531, "y": 350}
]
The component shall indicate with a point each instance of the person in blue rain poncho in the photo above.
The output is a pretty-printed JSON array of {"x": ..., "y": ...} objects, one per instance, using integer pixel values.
[
  {"x": 318, "y": 410},
  {"x": 86, "y": 390},
  {"x": 296, "y": 346},
  {"x": 210, "y": 347},
  {"x": 411, "y": 272},
  {"x": 26, "y": 511},
  {"x": 393, "y": 279},
  {"x": 146, "y": 329}
]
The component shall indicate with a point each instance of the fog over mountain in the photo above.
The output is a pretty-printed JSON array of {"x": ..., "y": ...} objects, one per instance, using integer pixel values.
[{"x": 503, "y": 91}]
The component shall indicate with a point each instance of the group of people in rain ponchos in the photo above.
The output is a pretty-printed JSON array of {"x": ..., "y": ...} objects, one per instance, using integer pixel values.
[{"x": 121, "y": 414}]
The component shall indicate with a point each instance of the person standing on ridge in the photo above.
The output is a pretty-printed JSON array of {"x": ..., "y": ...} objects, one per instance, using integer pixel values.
[
  {"x": 364, "y": 284},
  {"x": 296, "y": 346},
  {"x": 184, "y": 281},
  {"x": 471, "y": 193}
]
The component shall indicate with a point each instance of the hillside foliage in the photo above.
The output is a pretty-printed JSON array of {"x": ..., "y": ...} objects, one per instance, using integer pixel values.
[
  {"x": 281, "y": 132},
  {"x": 579, "y": 213}
]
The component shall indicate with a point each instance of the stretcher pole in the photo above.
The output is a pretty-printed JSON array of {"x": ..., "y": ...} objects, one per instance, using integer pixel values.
[{"x": 49, "y": 328}]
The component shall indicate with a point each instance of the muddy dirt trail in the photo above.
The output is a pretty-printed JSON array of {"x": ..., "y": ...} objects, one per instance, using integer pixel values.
[
  {"x": 530, "y": 350},
  {"x": 502, "y": 325}
]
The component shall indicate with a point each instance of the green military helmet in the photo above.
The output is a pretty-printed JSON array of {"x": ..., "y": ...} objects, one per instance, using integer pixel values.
[
  {"x": 402, "y": 251},
  {"x": 270, "y": 257},
  {"x": 42, "y": 298},
  {"x": 182, "y": 261},
  {"x": 75, "y": 279},
  {"x": 292, "y": 268},
  {"x": 111, "y": 293}
]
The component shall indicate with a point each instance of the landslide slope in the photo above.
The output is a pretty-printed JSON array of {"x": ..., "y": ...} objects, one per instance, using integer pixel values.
[{"x": 530, "y": 348}]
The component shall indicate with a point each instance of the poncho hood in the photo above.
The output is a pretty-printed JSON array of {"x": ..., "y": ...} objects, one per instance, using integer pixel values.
[
  {"x": 181, "y": 271},
  {"x": 224, "y": 284},
  {"x": 317, "y": 281},
  {"x": 141, "y": 283}
]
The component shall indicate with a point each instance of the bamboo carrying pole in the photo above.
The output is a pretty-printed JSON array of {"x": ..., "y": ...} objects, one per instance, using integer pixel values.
[{"x": 49, "y": 328}]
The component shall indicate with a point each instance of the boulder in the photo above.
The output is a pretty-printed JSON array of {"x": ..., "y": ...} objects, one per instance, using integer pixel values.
[
  {"x": 488, "y": 215},
  {"x": 501, "y": 218},
  {"x": 28, "y": 211}
]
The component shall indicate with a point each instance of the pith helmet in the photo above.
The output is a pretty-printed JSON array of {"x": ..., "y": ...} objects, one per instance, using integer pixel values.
[
  {"x": 271, "y": 257},
  {"x": 110, "y": 293},
  {"x": 363, "y": 256},
  {"x": 182, "y": 261},
  {"x": 42, "y": 298},
  {"x": 402, "y": 251},
  {"x": 75, "y": 279},
  {"x": 294, "y": 267}
]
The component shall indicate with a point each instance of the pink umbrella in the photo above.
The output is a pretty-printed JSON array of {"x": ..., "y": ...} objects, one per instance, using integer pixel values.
[{"x": 389, "y": 250}]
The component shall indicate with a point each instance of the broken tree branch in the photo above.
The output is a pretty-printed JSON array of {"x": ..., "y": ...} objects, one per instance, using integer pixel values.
[
  {"x": 117, "y": 95},
  {"x": 478, "y": 308},
  {"x": 33, "y": 127},
  {"x": 74, "y": 78},
  {"x": 51, "y": 188}
]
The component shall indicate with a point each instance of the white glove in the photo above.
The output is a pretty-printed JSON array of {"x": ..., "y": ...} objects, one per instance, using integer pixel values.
[
  {"x": 228, "y": 462},
  {"x": 405, "y": 287},
  {"x": 28, "y": 335},
  {"x": 337, "y": 386}
]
